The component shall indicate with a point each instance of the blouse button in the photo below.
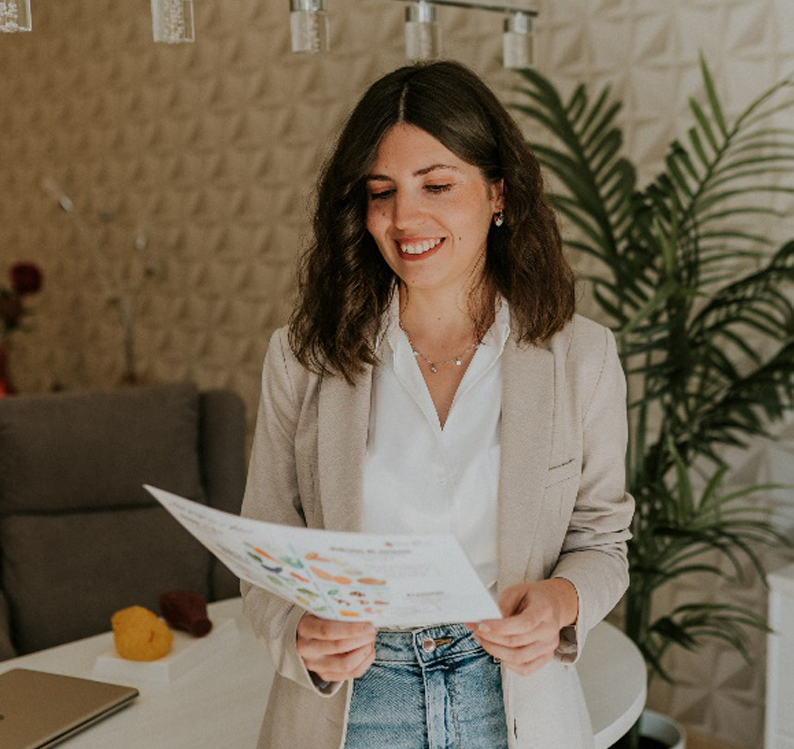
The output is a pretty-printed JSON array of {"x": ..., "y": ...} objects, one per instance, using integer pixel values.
[{"x": 428, "y": 644}]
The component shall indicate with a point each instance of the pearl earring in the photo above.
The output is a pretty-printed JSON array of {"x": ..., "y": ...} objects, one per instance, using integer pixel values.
[{"x": 499, "y": 218}]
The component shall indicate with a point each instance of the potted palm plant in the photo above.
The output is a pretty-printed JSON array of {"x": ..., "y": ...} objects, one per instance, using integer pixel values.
[{"x": 704, "y": 327}]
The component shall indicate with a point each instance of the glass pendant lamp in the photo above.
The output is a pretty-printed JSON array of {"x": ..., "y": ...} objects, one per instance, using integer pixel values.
[
  {"x": 422, "y": 34},
  {"x": 172, "y": 21},
  {"x": 517, "y": 42},
  {"x": 309, "y": 25},
  {"x": 15, "y": 16}
]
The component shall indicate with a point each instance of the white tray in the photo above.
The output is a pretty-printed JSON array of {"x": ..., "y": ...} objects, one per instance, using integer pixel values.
[{"x": 186, "y": 653}]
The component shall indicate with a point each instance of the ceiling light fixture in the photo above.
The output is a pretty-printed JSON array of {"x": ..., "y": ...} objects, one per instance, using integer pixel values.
[
  {"x": 517, "y": 42},
  {"x": 309, "y": 27}
]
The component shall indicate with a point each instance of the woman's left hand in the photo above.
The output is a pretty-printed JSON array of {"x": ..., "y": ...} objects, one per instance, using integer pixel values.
[{"x": 525, "y": 640}]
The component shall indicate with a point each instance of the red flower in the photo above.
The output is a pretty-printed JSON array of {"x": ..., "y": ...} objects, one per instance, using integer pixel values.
[{"x": 25, "y": 278}]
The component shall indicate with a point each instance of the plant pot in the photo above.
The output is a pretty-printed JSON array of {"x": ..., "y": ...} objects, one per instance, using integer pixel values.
[{"x": 659, "y": 731}]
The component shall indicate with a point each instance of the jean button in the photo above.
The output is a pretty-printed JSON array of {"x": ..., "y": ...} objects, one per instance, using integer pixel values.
[{"x": 428, "y": 644}]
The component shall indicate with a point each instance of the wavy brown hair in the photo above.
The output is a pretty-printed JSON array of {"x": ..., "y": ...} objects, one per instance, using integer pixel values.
[{"x": 345, "y": 285}]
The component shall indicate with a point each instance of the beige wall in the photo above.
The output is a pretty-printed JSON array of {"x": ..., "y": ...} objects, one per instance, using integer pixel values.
[{"x": 214, "y": 147}]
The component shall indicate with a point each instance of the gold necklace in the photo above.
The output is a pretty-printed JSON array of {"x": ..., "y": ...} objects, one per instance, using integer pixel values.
[{"x": 435, "y": 365}]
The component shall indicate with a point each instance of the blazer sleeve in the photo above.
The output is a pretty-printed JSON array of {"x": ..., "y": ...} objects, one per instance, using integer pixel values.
[
  {"x": 271, "y": 494},
  {"x": 594, "y": 552}
]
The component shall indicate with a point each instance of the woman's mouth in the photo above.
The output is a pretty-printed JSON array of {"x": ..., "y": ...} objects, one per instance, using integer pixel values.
[{"x": 416, "y": 248}]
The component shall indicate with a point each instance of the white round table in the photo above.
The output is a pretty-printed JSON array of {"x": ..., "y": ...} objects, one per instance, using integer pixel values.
[
  {"x": 221, "y": 701},
  {"x": 614, "y": 681}
]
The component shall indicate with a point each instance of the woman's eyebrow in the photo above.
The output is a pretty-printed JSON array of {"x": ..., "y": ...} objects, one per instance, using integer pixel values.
[
  {"x": 418, "y": 173},
  {"x": 432, "y": 168}
]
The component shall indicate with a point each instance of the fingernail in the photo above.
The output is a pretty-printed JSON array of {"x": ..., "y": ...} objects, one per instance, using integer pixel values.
[{"x": 483, "y": 627}]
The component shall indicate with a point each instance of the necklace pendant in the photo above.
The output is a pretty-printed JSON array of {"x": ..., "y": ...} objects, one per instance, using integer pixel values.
[
  {"x": 457, "y": 361},
  {"x": 433, "y": 368}
]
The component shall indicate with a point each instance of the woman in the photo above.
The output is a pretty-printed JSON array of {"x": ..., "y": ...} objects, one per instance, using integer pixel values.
[{"x": 434, "y": 378}]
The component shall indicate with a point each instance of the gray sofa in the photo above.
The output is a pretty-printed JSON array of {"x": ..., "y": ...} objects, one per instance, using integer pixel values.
[{"x": 79, "y": 536}]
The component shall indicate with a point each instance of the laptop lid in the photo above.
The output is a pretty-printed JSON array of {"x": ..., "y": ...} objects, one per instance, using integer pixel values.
[{"x": 39, "y": 710}]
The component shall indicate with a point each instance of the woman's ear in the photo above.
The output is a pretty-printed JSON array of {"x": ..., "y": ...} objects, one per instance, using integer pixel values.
[{"x": 498, "y": 195}]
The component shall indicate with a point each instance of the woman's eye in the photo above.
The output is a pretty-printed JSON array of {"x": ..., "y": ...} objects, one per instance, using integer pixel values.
[
  {"x": 381, "y": 195},
  {"x": 438, "y": 188}
]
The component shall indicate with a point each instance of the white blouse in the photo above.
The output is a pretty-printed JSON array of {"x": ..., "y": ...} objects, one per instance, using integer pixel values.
[{"x": 419, "y": 478}]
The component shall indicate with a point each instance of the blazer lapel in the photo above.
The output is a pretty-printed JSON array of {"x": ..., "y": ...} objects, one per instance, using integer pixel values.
[
  {"x": 342, "y": 429},
  {"x": 526, "y": 440}
]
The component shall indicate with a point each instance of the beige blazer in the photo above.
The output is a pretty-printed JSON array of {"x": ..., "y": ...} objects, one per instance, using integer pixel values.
[{"x": 563, "y": 511}]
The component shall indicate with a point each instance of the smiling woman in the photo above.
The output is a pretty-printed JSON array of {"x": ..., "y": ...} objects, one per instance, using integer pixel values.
[
  {"x": 434, "y": 379},
  {"x": 345, "y": 285}
]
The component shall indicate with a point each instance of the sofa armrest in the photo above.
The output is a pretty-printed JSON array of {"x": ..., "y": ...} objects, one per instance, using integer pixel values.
[
  {"x": 7, "y": 649},
  {"x": 223, "y": 468}
]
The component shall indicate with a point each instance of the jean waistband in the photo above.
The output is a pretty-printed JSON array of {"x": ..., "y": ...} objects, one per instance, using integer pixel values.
[{"x": 425, "y": 645}]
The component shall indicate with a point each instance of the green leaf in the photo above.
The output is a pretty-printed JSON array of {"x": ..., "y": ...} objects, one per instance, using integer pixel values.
[
  {"x": 594, "y": 112},
  {"x": 746, "y": 118},
  {"x": 577, "y": 103},
  {"x": 651, "y": 306},
  {"x": 767, "y": 113},
  {"x": 716, "y": 108},
  {"x": 697, "y": 144},
  {"x": 593, "y": 140},
  {"x": 705, "y": 125},
  {"x": 740, "y": 211},
  {"x": 712, "y": 200}
]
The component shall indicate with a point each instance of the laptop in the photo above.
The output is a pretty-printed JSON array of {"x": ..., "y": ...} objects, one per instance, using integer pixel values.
[{"x": 39, "y": 710}]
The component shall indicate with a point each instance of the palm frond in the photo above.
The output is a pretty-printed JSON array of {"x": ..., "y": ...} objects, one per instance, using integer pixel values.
[{"x": 702, "y": 309}]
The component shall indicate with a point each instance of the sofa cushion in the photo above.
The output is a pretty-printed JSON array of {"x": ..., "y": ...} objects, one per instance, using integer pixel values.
[
  {"x": 84, "y": 451},
  {"x": 90, "y": 565}
]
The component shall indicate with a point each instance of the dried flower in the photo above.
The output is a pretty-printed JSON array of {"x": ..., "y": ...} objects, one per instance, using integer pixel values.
[
  {"x": 26, "y": 278},
  {"x": 122, "y": 278}
]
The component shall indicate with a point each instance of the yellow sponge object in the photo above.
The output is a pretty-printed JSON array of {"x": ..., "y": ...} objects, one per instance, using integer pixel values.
[{"x": 139, "y": 635}]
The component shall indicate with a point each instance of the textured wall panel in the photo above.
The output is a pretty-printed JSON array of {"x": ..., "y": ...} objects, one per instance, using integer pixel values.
[{"x": 213, "y": 148}]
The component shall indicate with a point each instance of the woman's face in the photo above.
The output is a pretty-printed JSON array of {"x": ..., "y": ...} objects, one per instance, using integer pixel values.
[{"x": 428, "y": 211}]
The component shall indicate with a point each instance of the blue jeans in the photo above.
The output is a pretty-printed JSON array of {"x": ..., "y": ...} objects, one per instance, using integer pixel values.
[{"x": 432, "y": 688}]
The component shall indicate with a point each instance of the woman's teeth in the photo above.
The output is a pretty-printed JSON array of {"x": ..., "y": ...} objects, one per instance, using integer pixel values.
[{"x": 419, "y": 247}]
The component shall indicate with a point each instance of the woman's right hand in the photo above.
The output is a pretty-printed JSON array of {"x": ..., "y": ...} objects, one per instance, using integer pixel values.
[{"x": 336, "y": 651}]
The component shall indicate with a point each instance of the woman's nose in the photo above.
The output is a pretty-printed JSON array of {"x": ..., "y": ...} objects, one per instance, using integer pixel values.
[{"x": 406, "y": 210}]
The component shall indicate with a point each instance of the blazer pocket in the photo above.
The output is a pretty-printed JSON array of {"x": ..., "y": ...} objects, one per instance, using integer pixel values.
[{"x": 562, "y": 472}]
